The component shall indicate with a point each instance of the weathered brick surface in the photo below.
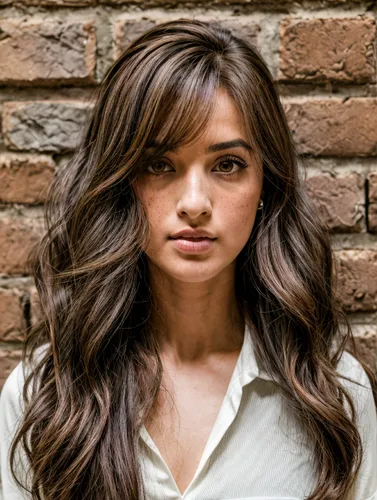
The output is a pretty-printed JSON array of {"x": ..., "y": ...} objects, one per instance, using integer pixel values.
[
  {"x": 269, "y": 4},
  {"x": 357, "y": 279},
  {"x": 12, "y": 324},
  {"x": 54, "y": 52},
  {"x": 166, "y": 4},
  {"x": 47, "y": 52},
  {"x": 339, "y": 199},
  {"x": 35, "y": 307},
  {"x": 340, "y": 50},
  {"x": 333, "y": 126},
  {"x": 8, "y": 361},
  {"x": 367, "y": 348},
  {"x": 127, "y": 30},
  {"x": 372, "y": 200},
  {"x": 25, "y": 178},
  {"x": 52, "y": 3},
  {"x": 51, "y": 126},
  {"x": 18, "y": 235}
]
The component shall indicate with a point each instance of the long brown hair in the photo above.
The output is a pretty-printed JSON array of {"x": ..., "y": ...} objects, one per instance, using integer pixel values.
[{"x": 99, "y": 372}]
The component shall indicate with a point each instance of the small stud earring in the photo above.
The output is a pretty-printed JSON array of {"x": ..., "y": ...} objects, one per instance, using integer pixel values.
[{"x": 260, "y": 205}]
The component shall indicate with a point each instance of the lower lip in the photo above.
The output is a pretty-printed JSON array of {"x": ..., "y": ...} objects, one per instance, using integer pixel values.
[{"x": 190, "y": 246}]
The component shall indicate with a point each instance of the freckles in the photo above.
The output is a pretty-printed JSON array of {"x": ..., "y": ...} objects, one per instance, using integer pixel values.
[
  {"x": 156, "y": 208},
  {"x": 240, "y": 211}
]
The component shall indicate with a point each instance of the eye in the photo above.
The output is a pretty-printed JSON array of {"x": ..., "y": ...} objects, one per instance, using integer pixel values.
[
  {"x": 158, "y": 167},
  {"x": 229, "y": 162}
]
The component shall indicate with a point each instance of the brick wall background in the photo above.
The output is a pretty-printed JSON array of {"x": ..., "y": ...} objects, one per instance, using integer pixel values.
[{"x": 53, "y": 53}]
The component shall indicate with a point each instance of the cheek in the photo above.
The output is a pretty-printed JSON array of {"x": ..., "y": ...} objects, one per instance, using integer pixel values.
[
  {"x": 238, "y": 215},
  {"x": 154, "y": 205}
]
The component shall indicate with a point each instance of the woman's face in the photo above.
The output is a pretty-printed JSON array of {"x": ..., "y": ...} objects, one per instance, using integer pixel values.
[{"x": 210, "y": 184}]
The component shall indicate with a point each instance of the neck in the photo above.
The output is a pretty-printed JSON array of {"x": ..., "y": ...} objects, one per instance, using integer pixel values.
[{"x": 193, "y": 321}]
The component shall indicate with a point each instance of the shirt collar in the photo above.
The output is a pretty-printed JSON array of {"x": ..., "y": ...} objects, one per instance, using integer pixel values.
[{"x": 247, "y": 365}]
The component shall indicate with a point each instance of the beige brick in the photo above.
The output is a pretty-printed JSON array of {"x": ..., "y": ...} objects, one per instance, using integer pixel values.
[
  {"x": 372, "y": 218},
  {"x": 25, "y": 178},
  {"x": 35, "y": 307},
  {"x": 127, "y": 30},
  {"x": 323, "y": 127},
  {"x": 12, "y": 324},
  {"x": 357, "y": 279},
  {"x": 40, "y": 126},
  {"x": 213, "y": 4},
  {"x": 367, "y": 349},
  {"x": 18, "y": 235},
  {"x": 321, "y": 50},
  {"x": 9, "y": 359},
  {"x": 372, "y": 200},
  {"x": 339, "y": 199},
  {"x": 47, "y": 52},
  {"x": 52, "y": 3},
  {"x": 270, "y": 4}
]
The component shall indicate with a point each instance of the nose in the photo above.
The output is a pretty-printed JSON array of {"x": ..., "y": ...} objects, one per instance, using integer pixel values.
[{"x": 195, "y": 197}]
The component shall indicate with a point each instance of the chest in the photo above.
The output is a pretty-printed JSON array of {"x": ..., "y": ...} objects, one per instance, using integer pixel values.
[{"x": 184, "y": 416}]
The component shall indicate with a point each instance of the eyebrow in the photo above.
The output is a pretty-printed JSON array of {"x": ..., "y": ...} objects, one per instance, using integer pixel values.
[{"x": 235, "y": 143}]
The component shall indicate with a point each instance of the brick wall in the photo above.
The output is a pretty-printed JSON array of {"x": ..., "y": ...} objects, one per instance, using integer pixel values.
[{"x": 53, "y": 53}]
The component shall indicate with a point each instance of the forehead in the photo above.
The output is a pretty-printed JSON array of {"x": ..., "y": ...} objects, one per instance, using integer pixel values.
[
  {"x": 225, "y": 122},
  {"x": 225, "y": 110},
  {"x": 224, "y": 125}
]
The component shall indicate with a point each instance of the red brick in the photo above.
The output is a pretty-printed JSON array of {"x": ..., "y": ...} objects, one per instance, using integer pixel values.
[
  {"x": 339, "y": 199},
  {"x": 9, "y": 359},
  {"x": 12, "y": 324},
  {"x": 47, "y": 52},
  {"x": 340, "y": 127},
  {"x": 18, "y": 235},
  {"x": 25, "y": 178},
  {"x": 357, "y": 279},
  {"x": 321, "y": 50}
]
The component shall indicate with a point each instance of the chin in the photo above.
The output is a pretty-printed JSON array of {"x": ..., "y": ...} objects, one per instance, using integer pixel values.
[{"x": 194, "y": 271}]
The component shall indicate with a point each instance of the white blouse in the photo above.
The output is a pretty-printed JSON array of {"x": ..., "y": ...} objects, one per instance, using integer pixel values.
[{"x": 257, "y": 449}]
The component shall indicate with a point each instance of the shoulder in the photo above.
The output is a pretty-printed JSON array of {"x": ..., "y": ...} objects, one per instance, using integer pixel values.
[
  {"x": 350, "y": 367},
  {"x": 355, "y": 379},
  {"x": 11, "y": 394},
  {"x": 11, "y": 398}
]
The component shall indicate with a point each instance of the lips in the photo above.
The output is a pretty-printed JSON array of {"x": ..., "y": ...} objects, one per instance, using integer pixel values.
[
  {"x": 192, "y": 239},
  {"x": 193, "y": 245},
  {"x": 191, "y": 233}
]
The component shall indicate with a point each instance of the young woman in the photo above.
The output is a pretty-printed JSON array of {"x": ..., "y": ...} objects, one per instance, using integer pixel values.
[{"x": 190, "y": 346}]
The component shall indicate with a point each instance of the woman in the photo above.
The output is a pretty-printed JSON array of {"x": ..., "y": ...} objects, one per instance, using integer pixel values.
[{"x": 190, "y": 343}]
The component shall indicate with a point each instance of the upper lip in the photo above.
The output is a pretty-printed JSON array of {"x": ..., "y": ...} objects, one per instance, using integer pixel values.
[{"x": 192, "y": 233}]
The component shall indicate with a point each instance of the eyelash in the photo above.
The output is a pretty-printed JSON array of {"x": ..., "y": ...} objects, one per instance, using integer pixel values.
[{"x": 241, "y": 163}]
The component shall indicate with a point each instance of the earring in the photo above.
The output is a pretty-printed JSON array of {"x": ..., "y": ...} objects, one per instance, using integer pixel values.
[{"x": 260, "y": 205}]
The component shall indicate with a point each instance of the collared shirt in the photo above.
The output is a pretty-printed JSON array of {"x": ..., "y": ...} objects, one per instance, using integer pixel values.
[{"x": 257, "y": 449}]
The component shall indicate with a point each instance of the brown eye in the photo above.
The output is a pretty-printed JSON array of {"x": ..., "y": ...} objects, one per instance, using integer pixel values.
[
  {"x": 157, "y": 167},
  {"x": 230, "y": 163}
]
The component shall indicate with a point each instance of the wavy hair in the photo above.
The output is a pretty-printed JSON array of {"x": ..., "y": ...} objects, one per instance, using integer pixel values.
[{"x": 89, "y": 392}]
